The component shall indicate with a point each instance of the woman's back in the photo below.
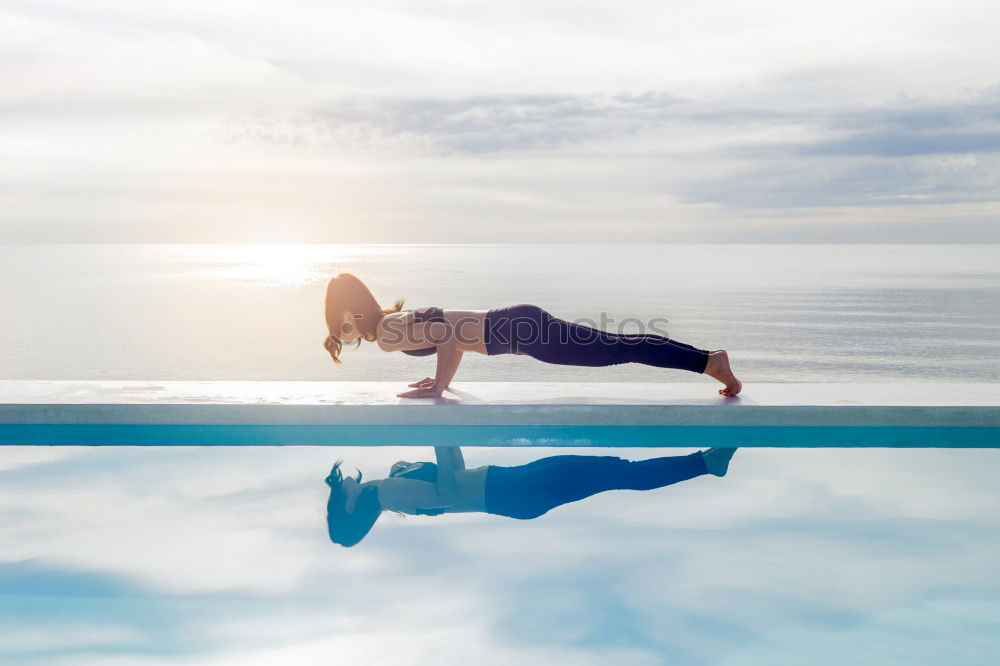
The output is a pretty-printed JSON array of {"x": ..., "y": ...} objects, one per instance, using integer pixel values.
[
  {"x": 411, "y": 493},
  {"x": 467, "y": 327}
]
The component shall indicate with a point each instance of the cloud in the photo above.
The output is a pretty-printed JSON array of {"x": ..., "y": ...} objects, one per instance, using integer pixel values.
[
  {"x": 469, "y": 125},
  {"x": 828, "y": 182},
  {"x": 712, "y": 152},
  {"x": 444, "y": 124},
  {"x": 493, "y": 123},
  {"x": 904, "y": 144}
]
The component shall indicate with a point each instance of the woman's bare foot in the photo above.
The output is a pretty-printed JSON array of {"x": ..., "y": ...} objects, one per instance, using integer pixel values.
[
  {"x": 717, "y": 460},
  {"x": 718, "y": 368}
]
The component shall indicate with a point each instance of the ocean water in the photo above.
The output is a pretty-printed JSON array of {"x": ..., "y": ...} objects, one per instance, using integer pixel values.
[
  {"x": 785, "y": 313},
  {"x": 214, "y": 557}
]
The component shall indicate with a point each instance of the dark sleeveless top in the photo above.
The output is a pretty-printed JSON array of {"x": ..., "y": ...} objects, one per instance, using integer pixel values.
[
  {"x": 430, "y": 313},
  {"x": 421, "y": 471}
]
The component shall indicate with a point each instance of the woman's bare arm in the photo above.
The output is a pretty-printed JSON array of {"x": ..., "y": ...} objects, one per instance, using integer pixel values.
[
  {"x": 457, "y": 461},
  {"x": 446, "y": 483},
  {"x": 400, "y": 494},
  {"x": 395, "y": 335},
  {"x": 456, "y": 453},
  {"x": 448, "y": 358}
]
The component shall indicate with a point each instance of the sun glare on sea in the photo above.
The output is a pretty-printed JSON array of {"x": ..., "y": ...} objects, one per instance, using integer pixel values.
[
  {"x": 273, "y": 264},
  {"x": 278, "y": 264}
]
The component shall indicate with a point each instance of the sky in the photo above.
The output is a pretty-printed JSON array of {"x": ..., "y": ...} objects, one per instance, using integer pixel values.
[
  {"x": 496, "y": 122},
  {"x": 217, "y": 556}
]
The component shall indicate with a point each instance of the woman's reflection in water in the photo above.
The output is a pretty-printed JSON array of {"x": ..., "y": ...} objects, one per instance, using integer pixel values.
[{"x": 525, "y": 491}]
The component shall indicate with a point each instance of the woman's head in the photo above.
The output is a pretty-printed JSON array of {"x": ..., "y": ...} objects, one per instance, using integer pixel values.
[
  {"x": 352, "y": 313},
  {"x": 349, "y": 527}
]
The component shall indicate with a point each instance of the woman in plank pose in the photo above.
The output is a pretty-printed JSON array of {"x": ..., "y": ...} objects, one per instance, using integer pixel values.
[
  {"x": 524, "y": 491},
  {"x": 353, "y": 314}
]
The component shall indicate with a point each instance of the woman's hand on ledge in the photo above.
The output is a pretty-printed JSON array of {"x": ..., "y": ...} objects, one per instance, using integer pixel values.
[
  {"x": 426, "y": 382},
  {"x": 423, "y": 392}
]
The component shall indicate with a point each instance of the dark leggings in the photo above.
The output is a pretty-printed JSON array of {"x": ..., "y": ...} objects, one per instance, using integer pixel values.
[
  {"x": 528, "y": 491},
  {"x": 530, "y": 330}
]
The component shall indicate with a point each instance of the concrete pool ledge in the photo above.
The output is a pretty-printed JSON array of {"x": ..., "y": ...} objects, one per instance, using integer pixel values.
[{"x": 319, "y": 413}]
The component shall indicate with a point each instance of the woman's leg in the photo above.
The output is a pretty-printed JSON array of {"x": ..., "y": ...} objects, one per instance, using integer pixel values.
[
  {"x": 547, "y": 338},
  {"x": 528, "y": 491}
]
